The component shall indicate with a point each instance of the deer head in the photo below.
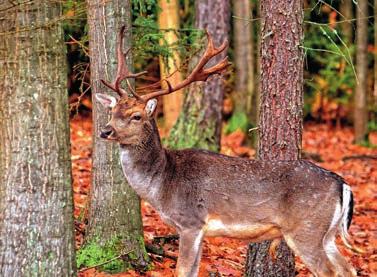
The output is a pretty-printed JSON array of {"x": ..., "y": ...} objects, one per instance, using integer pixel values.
[{"x": 132, "y": 115}]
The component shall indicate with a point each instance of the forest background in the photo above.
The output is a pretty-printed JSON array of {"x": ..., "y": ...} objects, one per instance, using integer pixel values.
[{"x": 340, "y": 132}]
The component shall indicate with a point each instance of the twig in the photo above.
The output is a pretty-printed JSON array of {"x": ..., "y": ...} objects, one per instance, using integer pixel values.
[
  {"x": 105, "y": 262},
  {"x": 157, "y": 250},
  {"x": 83, "y": 47},
  {"x": 362, "y": 157},
  {"x": 253, "y": 129}
]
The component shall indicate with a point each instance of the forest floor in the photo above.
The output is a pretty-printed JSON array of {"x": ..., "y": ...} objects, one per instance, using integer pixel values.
[{"x": 357, "y": 164}]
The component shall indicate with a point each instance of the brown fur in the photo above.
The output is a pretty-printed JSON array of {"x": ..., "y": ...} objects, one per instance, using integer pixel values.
[{"x": 203, "y": 193}]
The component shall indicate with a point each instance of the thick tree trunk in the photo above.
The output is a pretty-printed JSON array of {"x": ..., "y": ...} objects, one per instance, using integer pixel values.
[
  {"x": 281, "y": 113},
  {"x": 244, "y": 57},
  {"x": 345, "y": 9},
  {"x": 168, "y": 18},
  {"x": 360, "y": 110},
  {"x": 115, "y": 208},
  {"x": 199, "y": 124},
  {"x": 36, "y": 222}
]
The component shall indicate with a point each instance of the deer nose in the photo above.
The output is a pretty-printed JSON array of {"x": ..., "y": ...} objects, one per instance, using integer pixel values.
[{"x": 106, "y": 132}]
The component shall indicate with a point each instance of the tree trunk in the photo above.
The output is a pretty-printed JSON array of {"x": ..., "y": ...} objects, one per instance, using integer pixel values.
[
  {"x": 360, "y": 110},
  {"x": 36, "y": 222},
  {"x": 345, "y": 8},
  {"x": 168, "y": 18},
  {"x": 114, "y": 216},
  {"x": 281, "y": 113},
  {"x": 199, "y": 124},
  {"x": 244, "y": 57},
  {"x": 375, "y": 55}
]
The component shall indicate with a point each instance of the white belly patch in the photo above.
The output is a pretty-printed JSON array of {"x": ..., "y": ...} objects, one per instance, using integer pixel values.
[{"x": 250, "y": 231}]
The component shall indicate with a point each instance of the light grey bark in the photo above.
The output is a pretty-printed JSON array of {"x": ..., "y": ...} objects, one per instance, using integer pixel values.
[
  {"x": 115, "y": 208},
  {"x": 36, "y": 219}
]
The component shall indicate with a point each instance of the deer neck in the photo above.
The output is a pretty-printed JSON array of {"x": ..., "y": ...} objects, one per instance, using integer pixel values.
[{"x": 143, "y": 165}]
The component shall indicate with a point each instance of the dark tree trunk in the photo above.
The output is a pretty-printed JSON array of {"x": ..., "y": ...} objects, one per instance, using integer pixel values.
[
  {"x": 114, "y": 215},
  {"x": 281, "y": 113},
  {"x": 36, "y": 222},
  {"x": 360, "y": 110},
  {"x": 199, "y": 124},
  {"x": 244, "y": 57}
]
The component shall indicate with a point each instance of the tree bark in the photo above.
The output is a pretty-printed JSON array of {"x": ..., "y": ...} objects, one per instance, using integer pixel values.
[
  {"x": 375, "y": 55},
  {"x": 360, "y": 109},
  {"x": 168, "y": 18},
  {"x": 115, "y": 207},
  {"x": 281, "y": 115},
  {"x": 36, "y": 222},
  {"x": 345, "y": 9},
  {"x": 199, "y": 124},
  {"x": 244, "y": 57}
]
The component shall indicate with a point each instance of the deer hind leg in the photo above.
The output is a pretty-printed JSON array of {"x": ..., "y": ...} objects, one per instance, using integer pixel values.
[
  {"x": 311, "y": 253},
  {"x": 190, "y": 250}
]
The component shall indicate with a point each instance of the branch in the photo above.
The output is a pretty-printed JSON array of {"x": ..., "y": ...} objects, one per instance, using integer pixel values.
[{"x": 105, "y": 262}]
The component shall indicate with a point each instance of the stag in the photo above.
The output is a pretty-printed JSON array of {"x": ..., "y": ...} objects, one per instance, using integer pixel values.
[{"x": 202, "y": 193}]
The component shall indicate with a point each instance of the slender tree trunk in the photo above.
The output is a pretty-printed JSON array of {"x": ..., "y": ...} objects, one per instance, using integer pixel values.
[
  {"x": 281, "y": 113},
  {"x": 36, "y": 222},
  {"x": 168, "y": 18},
  {"x": 114, "y": 215},
  {"x": 375, "y": 54},
  {"x": 360, "y": 110},
  {"x": 345, "y": 9},
  {"x": 199, "y": 124},
  {"x": 244, "y": 57}
]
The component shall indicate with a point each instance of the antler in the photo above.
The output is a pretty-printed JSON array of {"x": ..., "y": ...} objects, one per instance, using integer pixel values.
[
  {"x": 122, "y": 71},
  {"x": 199, "y": 73}
]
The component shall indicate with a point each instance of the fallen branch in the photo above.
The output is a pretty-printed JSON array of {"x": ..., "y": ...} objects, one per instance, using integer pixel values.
[
  {"x": 159, "y": 251},
  {"x": 312, "y": 156},
  {"x": 167, "y": 238},
  {"x": 105, "y": 262},
  {"x": 362, "y": 157}
]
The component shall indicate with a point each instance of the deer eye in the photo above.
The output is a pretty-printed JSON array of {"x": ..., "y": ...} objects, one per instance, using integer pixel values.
[{"x": 136, "y": 117}]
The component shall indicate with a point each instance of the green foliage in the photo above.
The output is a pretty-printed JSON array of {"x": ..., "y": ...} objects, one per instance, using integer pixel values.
[
  {"x": 329, "y": 66},
  {"x": 74, "y": 22},
  {"x": 372, "y": 126},
  {"x": 93, "y": 253},
  {"x": 148, "y": 39},
  {"x": 238, "y": 120}
]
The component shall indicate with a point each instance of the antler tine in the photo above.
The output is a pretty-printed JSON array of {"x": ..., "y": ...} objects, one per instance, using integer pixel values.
[
  {"x": 199, "y": 73},
  {"x": 122, "y": 70}
]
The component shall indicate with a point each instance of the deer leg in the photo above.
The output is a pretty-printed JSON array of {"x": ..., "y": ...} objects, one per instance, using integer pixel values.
[
  {"x": 272, "y": 250},
  {"x": 190, "y": 250},
  {"x": 310, "y": 249}
]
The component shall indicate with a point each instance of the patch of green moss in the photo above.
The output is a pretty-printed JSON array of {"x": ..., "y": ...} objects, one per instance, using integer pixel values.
[
  {"x": 188, "y": 132},
  {"x": 94, "y": 253}
]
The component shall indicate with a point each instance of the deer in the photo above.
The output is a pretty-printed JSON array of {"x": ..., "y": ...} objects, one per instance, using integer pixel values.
[{"x": 202, "y": 193}]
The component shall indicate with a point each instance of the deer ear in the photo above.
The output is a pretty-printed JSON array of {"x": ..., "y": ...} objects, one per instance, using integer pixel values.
[
  {"x": 106, "y": 100},
  {"x": 150, "y": 107}
]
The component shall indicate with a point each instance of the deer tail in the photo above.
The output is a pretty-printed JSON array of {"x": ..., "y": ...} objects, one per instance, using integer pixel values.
[{"x": 346, "y": 218}]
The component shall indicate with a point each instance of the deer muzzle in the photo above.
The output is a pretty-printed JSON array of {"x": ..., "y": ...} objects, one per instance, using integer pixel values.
[{"x": 107, "y": 132}]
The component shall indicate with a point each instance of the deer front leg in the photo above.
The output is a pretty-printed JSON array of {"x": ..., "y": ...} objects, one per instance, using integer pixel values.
[{"x": 190, "y": 251}]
